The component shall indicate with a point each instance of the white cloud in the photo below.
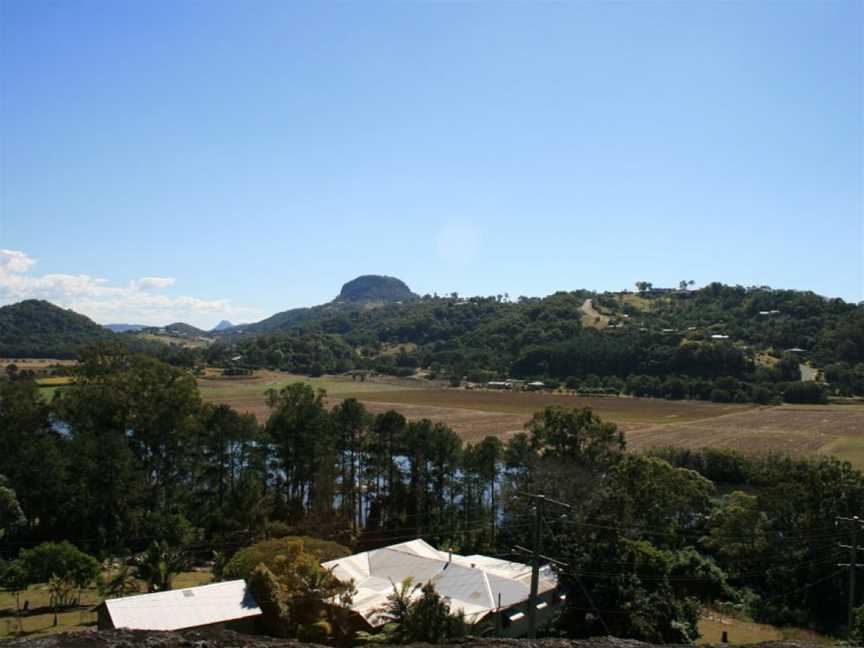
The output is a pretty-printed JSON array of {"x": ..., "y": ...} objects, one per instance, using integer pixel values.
[
  {"x": 16, "y": 261},
  {"x": 153, "y": 282},
  {"x": 95, "y": 297}
]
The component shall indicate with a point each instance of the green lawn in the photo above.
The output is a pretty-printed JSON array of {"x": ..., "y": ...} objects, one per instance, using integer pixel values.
[
  {"x": 213, "y": 389},
  {"x": 40, "y": 619},
  {"x": 743, "y": 631},
  {"x": 849, "y": 449}
]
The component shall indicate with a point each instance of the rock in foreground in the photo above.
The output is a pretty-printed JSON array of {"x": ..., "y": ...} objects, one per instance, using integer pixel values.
[{"x": 215, "y": 638}]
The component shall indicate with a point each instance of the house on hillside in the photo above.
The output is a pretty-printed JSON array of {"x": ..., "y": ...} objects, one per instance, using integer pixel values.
[
  {"x": 228, "y": 604},
  {"x": 481, "y": 587}
]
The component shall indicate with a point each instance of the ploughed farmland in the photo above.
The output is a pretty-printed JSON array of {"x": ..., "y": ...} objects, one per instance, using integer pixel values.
[{"x": 474, "y": 414}]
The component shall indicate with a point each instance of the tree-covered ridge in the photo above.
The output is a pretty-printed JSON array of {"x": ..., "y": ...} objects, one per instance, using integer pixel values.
[
  {"x": 721, "y": 342},
  {"x": 38, "y": 329},
  {"x": 178, "y": 328},
  {"x": 725, "y": 343}
]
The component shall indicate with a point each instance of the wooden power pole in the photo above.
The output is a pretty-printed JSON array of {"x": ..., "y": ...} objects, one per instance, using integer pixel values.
[
  {"x": 536, "y": 556},
  {"x": 852, "y": 565}
]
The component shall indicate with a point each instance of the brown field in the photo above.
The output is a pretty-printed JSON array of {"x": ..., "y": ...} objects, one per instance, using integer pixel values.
[
  {"x": 833, "y": 429},
  {"x": 629, "y": 410},
  {"x": 36, "y": 363},
  {"x": 794, "y": 430},
  {"x": 165, "y": 338}
]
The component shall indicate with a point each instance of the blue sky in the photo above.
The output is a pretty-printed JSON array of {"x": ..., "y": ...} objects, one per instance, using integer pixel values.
[{"x": 199, "y": 160}]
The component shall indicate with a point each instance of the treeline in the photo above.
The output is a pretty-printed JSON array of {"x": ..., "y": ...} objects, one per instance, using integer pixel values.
[
  {"x": 128, "y": 454},
  {"x": 651, "y": 537},
  {"x": 128, "y": 458},
  {"x": 752, "y": 339},
  {"x": 765, "y": 335}
]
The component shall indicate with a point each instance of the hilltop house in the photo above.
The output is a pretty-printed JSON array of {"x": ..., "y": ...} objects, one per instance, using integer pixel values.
[
  {"x": 227, "y": 604},
  {"x": 481, "y": 587}
]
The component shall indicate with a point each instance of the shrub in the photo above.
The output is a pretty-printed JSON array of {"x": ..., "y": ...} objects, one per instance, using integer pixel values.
[
  {"x": 61, "y": 559},
  {"x": 805, "y": 392},
  {"x": 270, "y": 552},
  {"x": 267, "y": 592}
]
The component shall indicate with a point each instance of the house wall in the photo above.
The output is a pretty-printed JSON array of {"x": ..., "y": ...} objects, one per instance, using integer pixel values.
[{"x": 519, "y": 628}]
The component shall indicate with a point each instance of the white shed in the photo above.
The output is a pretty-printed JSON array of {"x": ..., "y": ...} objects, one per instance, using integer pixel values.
[{"x": 207, "y": 605}]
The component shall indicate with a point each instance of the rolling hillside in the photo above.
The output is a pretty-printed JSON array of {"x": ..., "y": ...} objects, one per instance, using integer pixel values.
[
  {"x": 39, "y": 329},
  {"x": 363, "y": 293}
]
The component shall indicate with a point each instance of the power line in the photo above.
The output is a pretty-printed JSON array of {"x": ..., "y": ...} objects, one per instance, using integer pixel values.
[
  {"x": 539, "y": 502},
  {"x": 852, "y": 565}
]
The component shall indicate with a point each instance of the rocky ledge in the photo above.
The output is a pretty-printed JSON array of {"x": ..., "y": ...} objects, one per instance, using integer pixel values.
[{"x": 213, "y": 638}]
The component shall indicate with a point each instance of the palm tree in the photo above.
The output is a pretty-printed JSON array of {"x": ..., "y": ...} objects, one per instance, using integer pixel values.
[
  {"x": 398, "y": 606},
  {"x": 59, "y": 591},
  {"x": 159, "y": 563},
  {"x": 123, "y": 583}
]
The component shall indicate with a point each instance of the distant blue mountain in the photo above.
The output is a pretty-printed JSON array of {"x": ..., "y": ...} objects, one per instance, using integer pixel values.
[
  {"x": 125, "y": 328},
  {"x": 221, "y": 326}
]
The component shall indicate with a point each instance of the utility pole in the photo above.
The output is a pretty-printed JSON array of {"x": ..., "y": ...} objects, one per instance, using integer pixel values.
[
  {"x": 539, "y": 502},
  {"x": 852, "y": 565}
]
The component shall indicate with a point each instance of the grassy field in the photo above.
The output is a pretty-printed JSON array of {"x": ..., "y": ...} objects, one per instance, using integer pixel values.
[
  {"x": 741, "y": 631},
  {"x": 186, "y": 342},
  {"x": 40, "y": 619},
  {"x": 36, "y": 363},
  {"x": 213, "y": 387}
]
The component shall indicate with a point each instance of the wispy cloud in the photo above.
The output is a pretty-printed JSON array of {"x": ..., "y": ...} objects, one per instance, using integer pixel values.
[{"x": 138, "y": 302}]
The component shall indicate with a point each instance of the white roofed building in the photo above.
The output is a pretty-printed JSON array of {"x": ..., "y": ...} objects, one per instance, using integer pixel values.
[
  {"x": 478, "y": 586},
  {"x": 227, "y": 603}
]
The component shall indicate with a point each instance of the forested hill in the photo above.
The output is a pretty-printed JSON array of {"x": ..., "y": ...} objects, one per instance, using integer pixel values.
[
  {"x": 39, "y": 329},
  {"x": 719, "y": 342},
  {"x": 675, "y": 343},
  {"x": 177, "y": 328},
  {"x": 370, "y": 288},
  {"x": 363, "y": 293}
]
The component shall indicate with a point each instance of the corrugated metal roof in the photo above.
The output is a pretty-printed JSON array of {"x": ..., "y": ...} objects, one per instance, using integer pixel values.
[
  {"x": 472, "y": 583},
  {"x": 186, "y": 608}
]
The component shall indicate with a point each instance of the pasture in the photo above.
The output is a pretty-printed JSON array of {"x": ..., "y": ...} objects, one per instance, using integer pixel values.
[
  {"x": 39, "y": 619},
  {"x": 176, "y": 340},
  {"x": 712, "y": 624},
  {"x": 836, "y": 430}
]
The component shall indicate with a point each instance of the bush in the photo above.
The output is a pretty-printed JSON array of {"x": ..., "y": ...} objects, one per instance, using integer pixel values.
[
  {"x": 270, "y": 552},
  {"x": 805, "y": 392},
  {"x": 61, "y": 559},
  {"x": 278, "y": 529},
  {"x": 721, "y": 396},
  {"x": 267, "y": 592},
  {"x": 856, "y": 630}
]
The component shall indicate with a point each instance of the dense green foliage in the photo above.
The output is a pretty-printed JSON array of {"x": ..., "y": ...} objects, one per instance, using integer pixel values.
[
  {"x": 719, "y": 343},
  {"x": 128, "y": 458},
  {"x": 269, "y": 552},
  {"x": 38, "y": 329},
  {"x": 375, "y": 288}
]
